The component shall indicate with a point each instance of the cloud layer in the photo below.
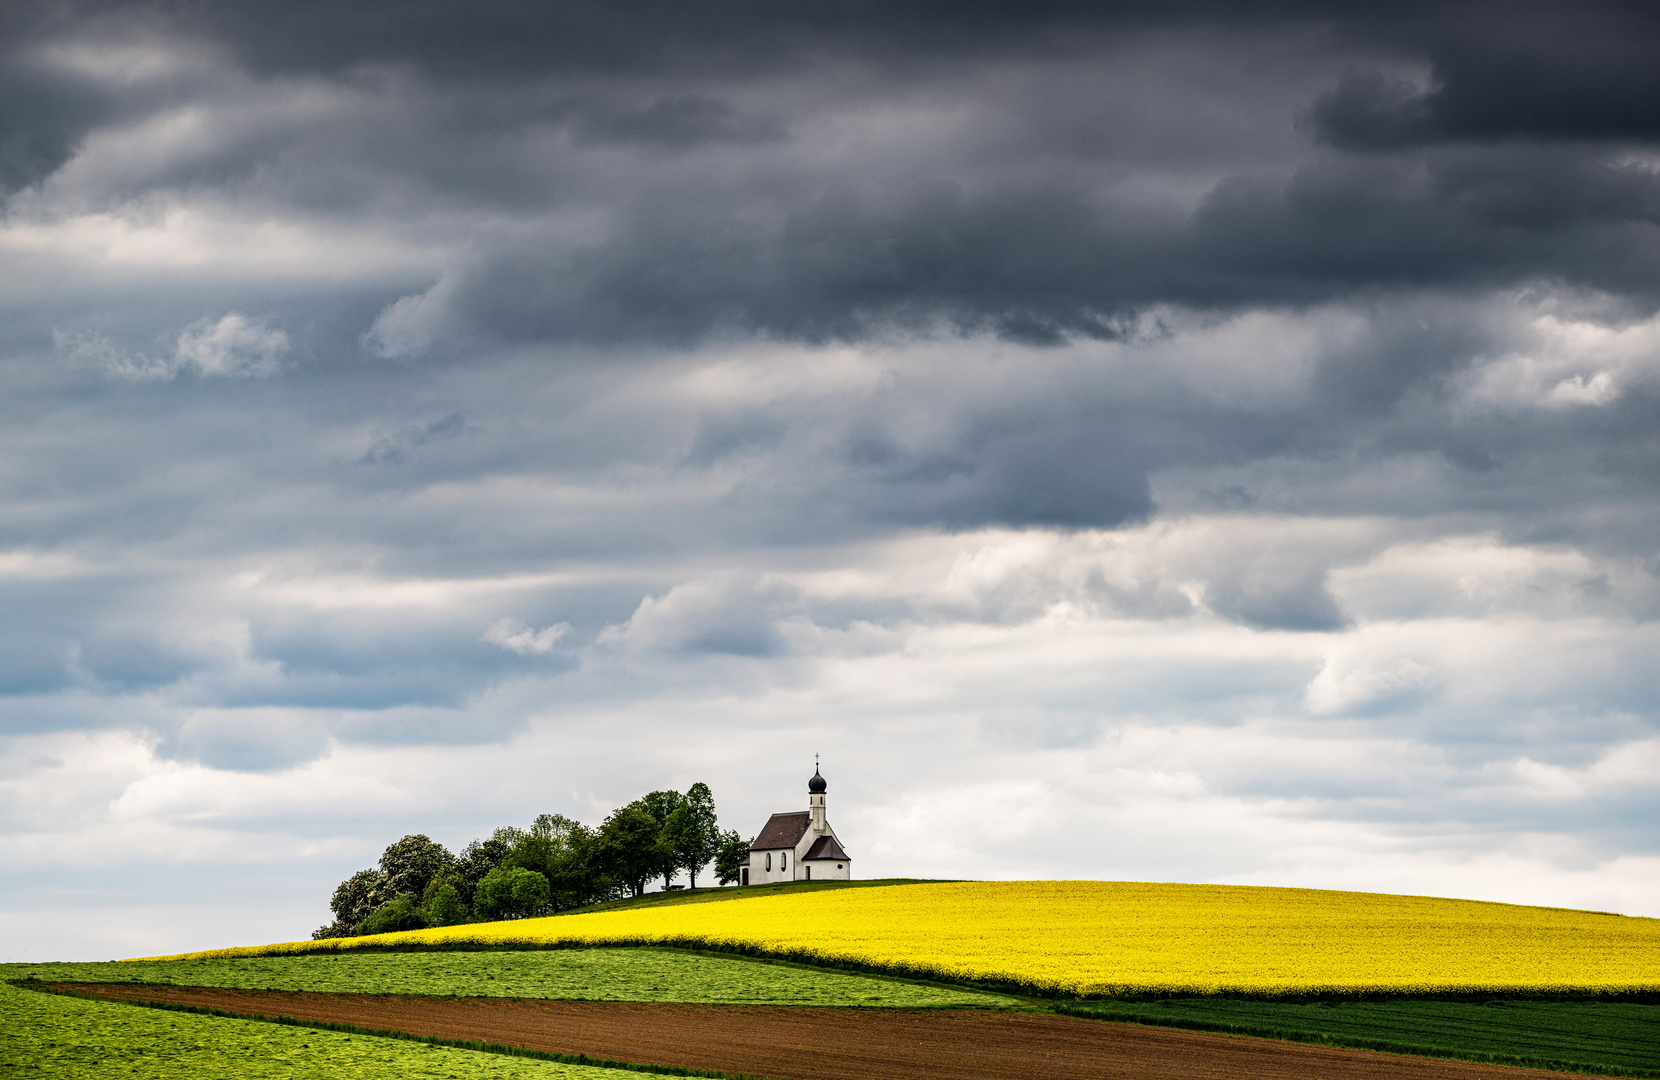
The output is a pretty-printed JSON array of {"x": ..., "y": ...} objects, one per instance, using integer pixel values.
[{"x": 1231, "y": 436}]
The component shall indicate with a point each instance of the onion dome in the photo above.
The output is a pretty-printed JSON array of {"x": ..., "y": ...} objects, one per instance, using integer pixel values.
[{"x": 816, "y": 786}]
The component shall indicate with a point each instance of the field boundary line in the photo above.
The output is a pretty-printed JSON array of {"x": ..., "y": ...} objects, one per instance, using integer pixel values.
[
  {"x": 391, "y": 1033},
  {"x": 1480, "y": 1057},
  {"x": 1026, "y": 1001}
]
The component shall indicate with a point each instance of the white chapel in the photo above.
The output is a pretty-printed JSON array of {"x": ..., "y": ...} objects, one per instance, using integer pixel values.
[{"x": 798, "y": 846}]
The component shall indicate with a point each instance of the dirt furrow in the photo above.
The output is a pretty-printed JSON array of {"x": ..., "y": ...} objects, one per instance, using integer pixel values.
[{"x": 798, "y": 1043}]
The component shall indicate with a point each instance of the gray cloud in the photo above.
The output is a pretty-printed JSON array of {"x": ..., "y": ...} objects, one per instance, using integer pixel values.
[
  {"x": 1542, "y": 73},
  {"x": 43, "y": 117},
  {"x": 1232, "y": 434},
  {"x": 1015, "y": 213}
]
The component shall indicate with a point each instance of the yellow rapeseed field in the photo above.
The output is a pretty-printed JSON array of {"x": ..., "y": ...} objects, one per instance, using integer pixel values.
[{"x": 1106, "y": 938}]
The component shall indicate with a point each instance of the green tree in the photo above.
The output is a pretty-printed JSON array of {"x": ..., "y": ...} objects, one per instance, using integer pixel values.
[
  {"x": 411, "y": 863},
  {"x": 675, "y": 832},
  {"x": 662, "y": 805},
  {"x": 731, "y": 856},
  {"x": 398, "y": 913},
  {"x": 512, "y": 892},
  {"x": 692, "y": 832},
  {"x": 540, "y": 847},
  {"x": 480, "y": 857},
  {"x": 442, "y": 904},
  {"x": 563, "y": 851},
  {"x": 628, "y": 846},
  {"x": 584, "y": 877},
  {"x": 356, "y": 897}
]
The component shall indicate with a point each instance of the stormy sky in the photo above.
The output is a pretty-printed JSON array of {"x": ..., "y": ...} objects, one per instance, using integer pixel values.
[{"x": 1134, "y": 441}]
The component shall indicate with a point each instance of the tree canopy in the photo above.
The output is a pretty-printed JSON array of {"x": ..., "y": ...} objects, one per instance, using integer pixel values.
[
  {"x": 411, "y": 863},
  {"x": 556, "y": 864}
]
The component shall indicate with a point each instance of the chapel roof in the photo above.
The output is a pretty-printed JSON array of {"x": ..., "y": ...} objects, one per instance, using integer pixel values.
[
  {"x": 825, "y": 847},
  {"x": 783, "y": 830}
]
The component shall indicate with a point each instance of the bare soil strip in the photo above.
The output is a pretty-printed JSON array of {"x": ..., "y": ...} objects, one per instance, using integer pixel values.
[{"x": 832, "y": 1044}]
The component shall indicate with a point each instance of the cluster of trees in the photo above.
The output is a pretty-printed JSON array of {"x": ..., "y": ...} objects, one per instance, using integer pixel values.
[{"x": 554, "y": 865}]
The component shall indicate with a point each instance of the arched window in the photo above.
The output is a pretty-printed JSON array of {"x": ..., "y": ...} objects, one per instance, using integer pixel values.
[
  {"x": 769, "y": 862},
  {"x": 783, "y": 860}
]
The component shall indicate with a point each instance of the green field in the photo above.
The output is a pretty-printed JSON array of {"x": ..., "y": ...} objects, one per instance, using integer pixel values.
[
  {"x": 567, "y": 974},
  {"x": 1616, "y": 1036},
  {"x": 49, "y": 1036},
  {"x": 66, "y": 1035}
]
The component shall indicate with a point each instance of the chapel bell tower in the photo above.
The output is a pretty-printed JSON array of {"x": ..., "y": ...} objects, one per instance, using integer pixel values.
[{"x": 815, "y": 801}]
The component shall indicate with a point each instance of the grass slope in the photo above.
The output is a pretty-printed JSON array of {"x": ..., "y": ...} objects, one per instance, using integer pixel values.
[
  {"x": 1618, "y": 1038},
  {"x": 566, "y": 974},
  {"x": 51, "y": 1036}
]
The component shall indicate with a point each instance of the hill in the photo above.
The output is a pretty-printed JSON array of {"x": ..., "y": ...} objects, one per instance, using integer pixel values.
[{"x": 1118, "y": 939}]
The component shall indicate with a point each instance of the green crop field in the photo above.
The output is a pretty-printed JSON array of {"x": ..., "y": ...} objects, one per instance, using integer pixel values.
[
  {"x": 1617, "y": 1036},
  {"x": 568, "y": 974},
  {"x": 51, "y": 1036},
  {"x": 67, "y": 1037}
]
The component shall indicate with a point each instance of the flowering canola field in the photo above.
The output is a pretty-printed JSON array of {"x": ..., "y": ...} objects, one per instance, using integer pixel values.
[{"x": 1106, "y": 938}]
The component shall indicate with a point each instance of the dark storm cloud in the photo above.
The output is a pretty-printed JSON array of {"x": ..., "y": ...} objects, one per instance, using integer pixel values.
[
  {"x": 618, "y": 175},
  {"x": 1039, "y": 265},
  {"x": 1529, "y": 71},
  {"x": 515, "y": 38},
  {"x": 678, "y": 121},
  {"x": 1468, "y": 146},
  {"x": 43, "y": 117},
  {"x": 1490, "y": 57}
]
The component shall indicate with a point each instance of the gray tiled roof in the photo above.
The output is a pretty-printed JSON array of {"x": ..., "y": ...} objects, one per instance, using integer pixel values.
[
  {"x": 783, "y": 831},
  {"x": 825, "y": 847}
]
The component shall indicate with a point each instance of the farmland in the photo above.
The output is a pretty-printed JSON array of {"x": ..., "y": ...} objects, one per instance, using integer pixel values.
[
  {"x": 565, "y": 974},
  {"x": 49, "y": 1035},
  {"x": 1123, "y": 939},
  {"x": 837, "y": 1044},
  {"x": 1451, "y": 979},
  {"x": 1613, "y": 1035},
  {"x": 1609, "y": 1035}
]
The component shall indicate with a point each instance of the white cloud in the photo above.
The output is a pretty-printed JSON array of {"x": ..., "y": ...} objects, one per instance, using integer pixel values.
[
  {"x": 1350, "y": 683},
  {"x": 176, "y": 794},
  {"x": 94, "y": 350},
  {"x": 1568, "y": 363},
  {"x": 409, "y": 326},
  {"x": 234, "y": 345},
  {"x": 515, "y": 636},
  {"x": 733, "y": 613},
  {"x": 1483, "y": 576}
]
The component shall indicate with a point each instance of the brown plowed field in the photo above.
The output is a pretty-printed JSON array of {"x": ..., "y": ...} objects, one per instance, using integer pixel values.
[{"x": 833, "y": 1044}]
